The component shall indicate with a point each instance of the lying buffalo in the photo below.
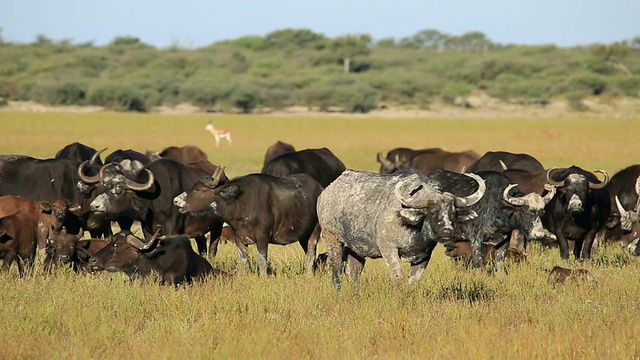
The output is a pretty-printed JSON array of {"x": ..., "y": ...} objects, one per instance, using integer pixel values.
[{"x": 172, "y": 258}]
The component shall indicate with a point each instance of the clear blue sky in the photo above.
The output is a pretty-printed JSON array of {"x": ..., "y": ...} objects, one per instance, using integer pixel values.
[{"x": 197, "y": 23}]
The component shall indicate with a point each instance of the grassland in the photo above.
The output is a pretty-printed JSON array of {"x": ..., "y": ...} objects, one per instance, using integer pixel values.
[{"x": 451, "y": 313}]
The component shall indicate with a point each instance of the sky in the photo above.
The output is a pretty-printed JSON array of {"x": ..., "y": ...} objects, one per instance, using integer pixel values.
[{"x": 199, "y": 23}]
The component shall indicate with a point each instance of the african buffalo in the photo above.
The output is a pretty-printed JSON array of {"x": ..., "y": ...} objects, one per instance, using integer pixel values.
[
  {"x": 261, "y": 209},
  {"x": 502, "y": 160},
  {"x": 579, "y": 210},
  {"x": 172, "y": 258},
  {"x": 321, "y": 164},
  {"x": 78, "y": 151},
  {"x": 18, "y": 239},
  {"x": 189, "y": 155},
  {"x": 425, "y": 161},
  {"x": 624, "y": 193},
  {"x": 61, "y": 247},
  {"x": 276, "y": 150},
  {"x": 398, "y": 216},
  {"x": 502, "y": 209}
]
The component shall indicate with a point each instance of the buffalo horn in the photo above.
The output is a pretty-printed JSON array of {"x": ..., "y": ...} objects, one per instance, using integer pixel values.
[
  {"x": 476, "y": 196},
  {"x": 138, "y": 244},
  {"x": 85, "y": 178},
  {"x": 503, "y": 165},
  {"x": 625, "y": 216},
  {"x": 132, "y": 185},
  {"x": 216, "y": 176},
  {"x": 601, "y": 185},
  {"x": 551, "y": 192},
  {"x": 79, "y": 234},
  {"x": 638, "y": 186},
  {"x": 551, "y": 181},
  {"x": 515, "y": 201}
]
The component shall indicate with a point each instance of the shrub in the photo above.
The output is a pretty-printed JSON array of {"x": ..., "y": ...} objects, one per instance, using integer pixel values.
[
  {"x": 53, "y": 93},
  {"x": 245, "y": 97},
  {"x": 117, "y": 97}
]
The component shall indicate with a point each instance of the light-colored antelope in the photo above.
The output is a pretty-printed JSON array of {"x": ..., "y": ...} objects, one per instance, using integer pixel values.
[{"x": 219, "y": 133}]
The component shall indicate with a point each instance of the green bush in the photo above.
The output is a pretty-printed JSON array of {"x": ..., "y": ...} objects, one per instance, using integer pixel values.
[
  {"x": 64, "y": 93},
  {"x": 245, "y": 97},
  {"x": 453, "y": 90},
  {"x": 117, "y": 97}
]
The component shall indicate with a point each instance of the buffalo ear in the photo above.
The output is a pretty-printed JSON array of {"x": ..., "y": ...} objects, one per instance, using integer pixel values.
[
  {"x": 46, "y": 207},
  {"x": 230, "y": 192},
  {"x": 465, "y": 214},
  {"x": 411, "y": 216}
]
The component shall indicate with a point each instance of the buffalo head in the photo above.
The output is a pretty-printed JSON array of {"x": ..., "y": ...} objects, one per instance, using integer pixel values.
[
  {"x": 123, "y": 253},
  {"x": 525, "y": 211},
  {"x": 61, "y": 246},
  {"x": 118, "y": 188},
  {"x": 200, "y": 199},
  {"x": 441, "y": 210},
  {"x": 574, "y": 184}
]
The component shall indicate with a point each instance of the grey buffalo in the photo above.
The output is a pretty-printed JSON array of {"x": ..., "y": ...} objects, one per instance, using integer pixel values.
[{"x": 398, "y": 216}]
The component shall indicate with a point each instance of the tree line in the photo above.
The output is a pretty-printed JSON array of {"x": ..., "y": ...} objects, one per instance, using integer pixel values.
[{"x": 299, "y": 67}]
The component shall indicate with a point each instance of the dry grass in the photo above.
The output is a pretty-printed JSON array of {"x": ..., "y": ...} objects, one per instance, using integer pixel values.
[{"x": 451, "y": 313}]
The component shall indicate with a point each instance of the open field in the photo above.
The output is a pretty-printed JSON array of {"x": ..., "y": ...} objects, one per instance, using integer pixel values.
[{"x": 451, "y": 313}]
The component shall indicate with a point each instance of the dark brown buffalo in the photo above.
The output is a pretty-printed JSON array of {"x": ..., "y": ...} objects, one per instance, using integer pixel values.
[
  {"x": 18, "y": 239},
  {"x": 61, "y": 248},
  {"x": 276, "y": 150},
  {"x": 172, "y": 258},
  {"x": 189, "y": 155},
  {"x": 624, "y": 193},
  {"x": 426, "y": 160},
  {"x": 261, "y": 209},
  {"x": 580, "y": 209},
  {"x": 78, "y": 151},
  {"x": 129, "y": 154},
  {"x": 321, "y": 164},
  {"x": 46, "y": 214},
  {"x": 559, "y": 275},
  {"x": 502, "y": 160}
]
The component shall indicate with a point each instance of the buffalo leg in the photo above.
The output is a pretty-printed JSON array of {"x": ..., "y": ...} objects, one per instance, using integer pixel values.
[
  {"x": 336, "y": 253},
  {"x": 587, "y": 246},
  {"x": 354, "y": 267},
  {"x": 478, "y": 254},
  {"x": 391, "y": 257},
  {"x": 201, "y": 242},
  {"x": 312, "y": 246},
  {"x": 418, "y": 269},
  {"x": 262, "y": 244}
]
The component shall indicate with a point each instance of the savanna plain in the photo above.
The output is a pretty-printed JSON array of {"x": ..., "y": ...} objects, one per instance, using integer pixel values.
[{"x": 452, "y": 313}]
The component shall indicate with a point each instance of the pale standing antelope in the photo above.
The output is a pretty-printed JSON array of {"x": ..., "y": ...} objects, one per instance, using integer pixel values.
[{"x": 219, "y": 133}]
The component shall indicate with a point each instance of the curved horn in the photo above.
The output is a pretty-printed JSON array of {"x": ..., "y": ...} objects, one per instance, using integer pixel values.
[
  {"x": 515, "y": 201},
  {"x": 96, "y": 156},
  {"x": 476, "y": 196},
  {"x": 79, "y": 234},
  {"x": 604, "y": 182},
  {"x": 86, "y": 178},
  {"x": 138, "y": 244},
  {"x": 551, "y": 192},
  {"x": 551, "y": 181},
  {"x": 132, "y": 185},
  {"x": 625, "y": 216}
]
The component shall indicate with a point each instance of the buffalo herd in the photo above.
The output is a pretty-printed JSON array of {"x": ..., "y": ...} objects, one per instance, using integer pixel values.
[{"x": 483, "y": 209}]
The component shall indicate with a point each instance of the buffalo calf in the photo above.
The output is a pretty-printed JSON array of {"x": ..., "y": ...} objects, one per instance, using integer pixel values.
[{"x": 560, "y": 275}]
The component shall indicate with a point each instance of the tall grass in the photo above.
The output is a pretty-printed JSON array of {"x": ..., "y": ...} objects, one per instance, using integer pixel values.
[{"x": 453, "y": 312}]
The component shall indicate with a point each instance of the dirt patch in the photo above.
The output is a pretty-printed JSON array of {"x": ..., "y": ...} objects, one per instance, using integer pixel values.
[{"x": 473, "y": 107}]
